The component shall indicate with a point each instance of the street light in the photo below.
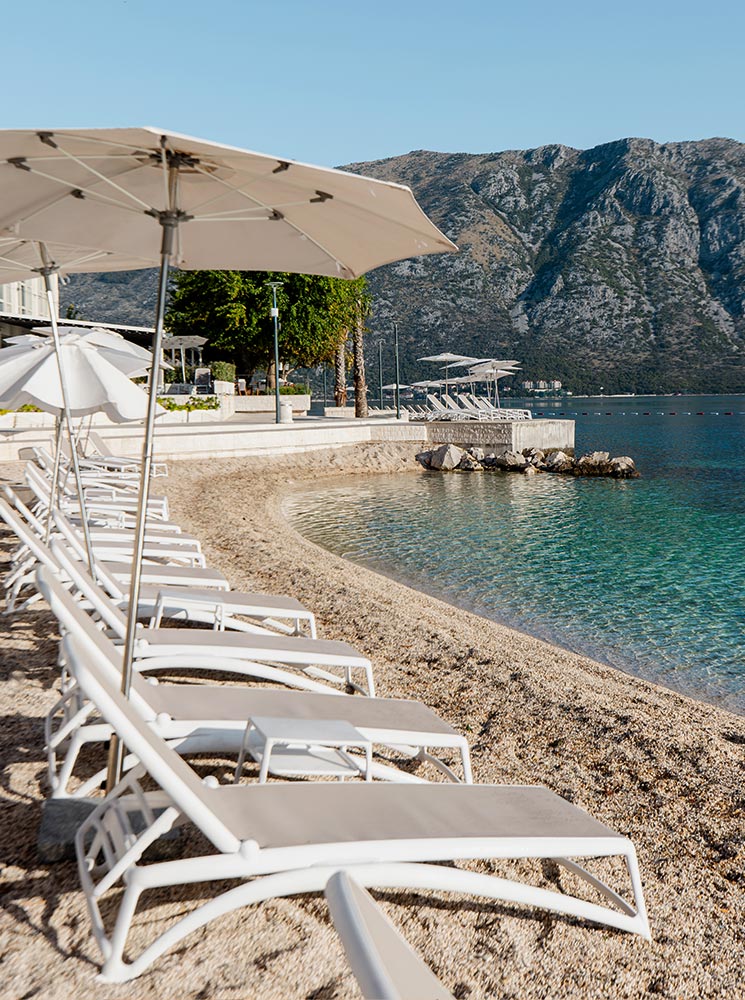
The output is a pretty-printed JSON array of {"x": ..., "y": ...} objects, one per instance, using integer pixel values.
[
  {"x": 398, "y": 375},
  {"x": 274, "y": 285},
  {"x": 380, "y": 370}
]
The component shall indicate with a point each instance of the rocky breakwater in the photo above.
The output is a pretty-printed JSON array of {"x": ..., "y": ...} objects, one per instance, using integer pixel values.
[{"x": 530, "y": 462}]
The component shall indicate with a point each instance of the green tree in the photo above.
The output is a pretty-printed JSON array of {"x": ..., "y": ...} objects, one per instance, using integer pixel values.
[{"x": 231, "y": 309}]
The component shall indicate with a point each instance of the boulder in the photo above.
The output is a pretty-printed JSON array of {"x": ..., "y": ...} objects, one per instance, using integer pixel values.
[
  {"x": 623, "y": 468},
  {"x": 477, "y": 453},
  {"x": 489, "y": 460},
  {"x": 596, "y": 463},
  {"x": 530, "y": 470},
  {"x": 558, "y": 461},
  {"x": 512, "y": 461},
  {"x": 536, "y": 457},
  {"x": 469, "y": 464},
  {"x": 446, "y": 457},
  {"x": 425, "y": 458}
]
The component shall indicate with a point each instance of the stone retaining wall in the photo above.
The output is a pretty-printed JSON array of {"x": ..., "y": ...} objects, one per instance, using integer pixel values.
[{"x": 504, "y": 435}]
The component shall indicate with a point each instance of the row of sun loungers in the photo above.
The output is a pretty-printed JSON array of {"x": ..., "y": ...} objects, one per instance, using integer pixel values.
[
  {"x": 465, "y": 406},
  {"x": 297, "y": 706}
]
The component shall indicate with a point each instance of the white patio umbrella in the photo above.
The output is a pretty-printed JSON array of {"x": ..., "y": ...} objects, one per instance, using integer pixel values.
[
  {"x": 215, "y": 207},
  {"x": 491, "y": 372},
  {"x": 98, "y": 368},
  {"x": 447, "y": 359},
  {"x": 98, "y": 376}
]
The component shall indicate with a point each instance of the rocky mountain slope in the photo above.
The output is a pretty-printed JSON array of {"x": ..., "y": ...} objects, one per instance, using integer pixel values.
[{"x": 621, "y": 266}]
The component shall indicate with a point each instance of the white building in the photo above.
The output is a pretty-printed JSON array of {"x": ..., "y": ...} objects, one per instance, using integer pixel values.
[{"x": 24, "y": 301}]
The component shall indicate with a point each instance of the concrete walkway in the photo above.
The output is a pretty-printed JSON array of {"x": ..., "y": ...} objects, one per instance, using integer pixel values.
[{"x": 239, "y": 437}]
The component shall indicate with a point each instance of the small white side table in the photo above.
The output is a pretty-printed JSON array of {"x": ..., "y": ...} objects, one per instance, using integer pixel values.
[{"x": 303, "y": 747}]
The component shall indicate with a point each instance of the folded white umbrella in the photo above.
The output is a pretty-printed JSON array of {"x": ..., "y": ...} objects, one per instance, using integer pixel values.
[{"x": 98, "y": 378}]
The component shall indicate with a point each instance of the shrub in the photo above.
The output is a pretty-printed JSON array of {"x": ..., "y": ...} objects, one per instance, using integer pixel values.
[
  {"x": 294, "y": 390},
  {"x": 223, "y": 371},
  {"x": 192, "y": 403}
]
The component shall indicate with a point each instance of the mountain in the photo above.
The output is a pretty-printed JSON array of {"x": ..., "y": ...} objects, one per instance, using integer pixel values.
[{"x": 621, "y": 266}]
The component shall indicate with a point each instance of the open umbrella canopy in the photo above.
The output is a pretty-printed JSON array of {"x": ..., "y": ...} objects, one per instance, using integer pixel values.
[
  {"x": 392, "y": 386},
  {"x": 22, "y": 258},
  {"x": 426, "y": 385},
  {"x": 447, "y": 358},
  {"x": 474, "y": 362},
  {"x": 98, "y": 376},
  {"x": 233, "y": 208}
]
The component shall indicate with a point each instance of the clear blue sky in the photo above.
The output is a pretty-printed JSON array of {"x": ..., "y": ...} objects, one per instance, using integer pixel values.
[{"x": 334, "y": 82}]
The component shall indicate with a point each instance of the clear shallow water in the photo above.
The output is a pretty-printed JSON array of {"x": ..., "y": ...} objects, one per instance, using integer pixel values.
[{"x": 647, "y": 575}]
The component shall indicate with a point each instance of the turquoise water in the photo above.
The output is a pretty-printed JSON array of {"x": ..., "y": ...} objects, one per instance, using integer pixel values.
[{"x": 647, "y": 575}]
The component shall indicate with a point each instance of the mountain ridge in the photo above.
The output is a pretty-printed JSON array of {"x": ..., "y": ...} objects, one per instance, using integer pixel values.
[{"x": 622, "y": 265}]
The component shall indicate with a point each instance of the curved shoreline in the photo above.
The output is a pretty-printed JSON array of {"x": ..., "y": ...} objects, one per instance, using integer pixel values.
[
  {"x": 655, "y": 765},
  {"x": 652, "y": 763}
]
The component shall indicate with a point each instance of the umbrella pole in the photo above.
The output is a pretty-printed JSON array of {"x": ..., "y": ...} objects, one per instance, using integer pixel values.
[
  {"x": 55, "y": 474},
  {"x": 169, "y": 221},
  {"x": 47, "y": 270}
]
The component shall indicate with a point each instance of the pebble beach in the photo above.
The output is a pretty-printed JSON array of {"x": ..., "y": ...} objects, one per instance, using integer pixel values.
[{"x": 659, "y": 767}]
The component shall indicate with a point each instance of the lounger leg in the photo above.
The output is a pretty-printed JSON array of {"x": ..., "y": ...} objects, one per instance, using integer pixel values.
[{"x": 405, "y": 876}]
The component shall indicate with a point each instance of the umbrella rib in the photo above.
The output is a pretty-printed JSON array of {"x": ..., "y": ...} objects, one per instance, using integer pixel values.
[
  {"x": 259, "y": 203},
  {"x": 104, "y": 178},
  {"x": 94, "y": 195},
  {"x": 259, "y": 208},
  {"x": 229, "y": 187}
]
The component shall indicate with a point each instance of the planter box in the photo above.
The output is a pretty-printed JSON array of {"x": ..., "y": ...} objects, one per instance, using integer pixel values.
[{"x": 265, "y": 404}]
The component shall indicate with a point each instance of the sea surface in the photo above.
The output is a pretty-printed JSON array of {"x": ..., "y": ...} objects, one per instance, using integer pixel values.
[{"x": 647, "y": 575}]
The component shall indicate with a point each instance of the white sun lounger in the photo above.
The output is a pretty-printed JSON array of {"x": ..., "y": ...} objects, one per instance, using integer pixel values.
[
  {"x": 100, "y": 453},
  {"x": 245, "y": 652},
  {"x": 385, "y": 966},
  {"x": 209, "y": 718},
  {"x": 97, "y": 500},
  {"x": 216, "y": 607},
  {"x": 120, "y": 549},
  {"x": 282, "y": 839},
  {"x": 152, "y": 573}
]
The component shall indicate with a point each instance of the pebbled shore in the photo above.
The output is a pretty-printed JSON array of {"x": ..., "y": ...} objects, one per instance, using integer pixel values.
[{"x": 662, "y": 768}]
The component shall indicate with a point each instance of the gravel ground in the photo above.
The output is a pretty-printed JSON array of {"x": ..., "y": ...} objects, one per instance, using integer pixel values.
[{"x": 663, "y": 769}]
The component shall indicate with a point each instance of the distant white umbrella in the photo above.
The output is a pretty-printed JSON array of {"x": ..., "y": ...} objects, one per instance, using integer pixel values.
[
  {"x": 472, "y": 362},
  {"x": 489, "y": 373},
  {"x": 392, "y": 386},
  {"x": 447, "y": 359}
]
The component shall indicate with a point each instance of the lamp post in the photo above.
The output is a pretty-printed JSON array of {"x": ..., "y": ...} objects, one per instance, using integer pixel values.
[
  {"x": 380, "y": 371},
  {"x": 398, "y": 378},
  {"x": 274, "y": 285}
]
